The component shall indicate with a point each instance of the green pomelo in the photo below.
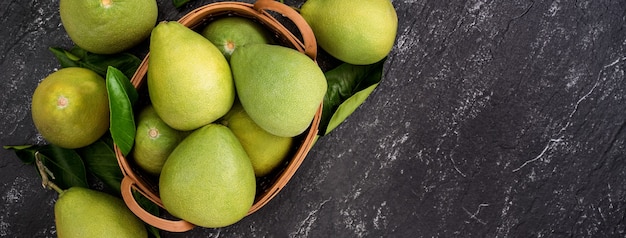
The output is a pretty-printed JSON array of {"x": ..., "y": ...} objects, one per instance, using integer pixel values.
[
  {"x": 70, "y": 107},
  {"x": 279, "y": 87},
  {"x": 266, "y": 151},
  {"x": 230, "y": 32},
  {"x": 154, "y": 141},
  {"x": 108, "y": 26},
  {"x": 354, "y": 31},
  {"x": 189, "y": 80},
  {"x": 81, "y": 212},
  {"x": 208, "y": 179}
]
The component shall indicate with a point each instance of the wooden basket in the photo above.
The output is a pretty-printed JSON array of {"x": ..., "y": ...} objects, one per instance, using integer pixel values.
[{"x": 261, "y": 11}]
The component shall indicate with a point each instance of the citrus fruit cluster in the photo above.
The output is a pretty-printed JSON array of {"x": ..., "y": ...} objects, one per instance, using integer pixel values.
[
  {"x": 238, "y": 117},
  {"x": 226, "y": 102}
]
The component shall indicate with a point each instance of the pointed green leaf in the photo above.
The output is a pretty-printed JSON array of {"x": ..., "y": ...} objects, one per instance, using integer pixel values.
[
  {"x": 122, "y": 120},
  {"x": 348, "y": 107},
  {"x": 100, "y": 159},
  {"x": 151, "y": 208},
  {"x": 65, "y": 165},
  {"x": 345, "y": 81},
  {"x": 26, "y": 153},
  {"x": 179, "y": 3},
  {"x": 77, "y": 57},
  {"x": 65, "y": 58}
]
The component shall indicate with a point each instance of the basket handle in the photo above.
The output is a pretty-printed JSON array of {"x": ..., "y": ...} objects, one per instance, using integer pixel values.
[
  {"x": 127, "y": 194},
  {"x": 309, "y": 43}
]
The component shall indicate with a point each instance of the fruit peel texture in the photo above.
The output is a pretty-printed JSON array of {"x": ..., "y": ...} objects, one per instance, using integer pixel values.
[{"x": 280, "y": 88}]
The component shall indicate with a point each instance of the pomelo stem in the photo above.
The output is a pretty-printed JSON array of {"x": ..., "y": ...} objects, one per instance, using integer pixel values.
[
  {"x": 106, "y": 3},
  {"x": 43, "y": 171}
]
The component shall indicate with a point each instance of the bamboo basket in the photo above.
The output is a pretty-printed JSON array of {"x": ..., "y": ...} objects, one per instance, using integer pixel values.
[{"x": 262, "y": 11}]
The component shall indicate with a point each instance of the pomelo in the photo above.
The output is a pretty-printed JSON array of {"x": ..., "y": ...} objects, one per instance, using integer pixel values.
[
  {"x": 353, "y": 31},
  {"x": 108, "y": 26},
  {"x": 70, "y": 107}
]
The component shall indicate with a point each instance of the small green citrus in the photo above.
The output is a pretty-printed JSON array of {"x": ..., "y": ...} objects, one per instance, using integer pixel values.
[
  {"x": 265, "y": 150},
  {"x": 70, "y": 107},
  {"x": 230, "y": 32},
  {"x": 108, "y": 26},
  {"x": 154, "y": 141}
]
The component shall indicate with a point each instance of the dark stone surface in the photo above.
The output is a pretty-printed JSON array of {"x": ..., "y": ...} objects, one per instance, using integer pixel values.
[{"x": 493, "y": 119}]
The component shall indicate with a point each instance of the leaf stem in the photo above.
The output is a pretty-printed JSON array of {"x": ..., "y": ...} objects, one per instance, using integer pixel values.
[{"x": 43, "y": 171}]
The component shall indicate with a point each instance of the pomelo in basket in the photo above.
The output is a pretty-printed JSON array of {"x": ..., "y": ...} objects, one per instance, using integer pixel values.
[
  {"x": 228, "y": 33},
  {"x": 189, "y": 80},
  {"x": 279, "y": 87},
  {"x": 154, "y": 141},
  {"x": 70, "y": 107},
  {"x": 208, "y": 179},
  {"x": 108, "y": 26},
  {"x": 266, "y": 151}
]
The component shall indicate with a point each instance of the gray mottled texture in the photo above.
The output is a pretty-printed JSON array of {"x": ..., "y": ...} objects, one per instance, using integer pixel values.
[{"x": 493, "y": 119}]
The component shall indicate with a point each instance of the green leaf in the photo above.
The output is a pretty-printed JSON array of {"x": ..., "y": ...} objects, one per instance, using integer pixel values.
[
  {"x": 150, "y": 207},
  {"x": 154, "y": 231},
  {"x": 179, "y": 3},
  {"x": 343, "y": 82},
  {"x": 122, "y": 126},
  {"x": 131, "y": 91},
  {"x": 99, "y": 157},
  {"x": 65, "y": 165},
  {"x": 65, "y": 58},
  {"x": 26, "y": 153},
  {"x": 348, "y": 107},
  {"x": 77, "y": 57}
]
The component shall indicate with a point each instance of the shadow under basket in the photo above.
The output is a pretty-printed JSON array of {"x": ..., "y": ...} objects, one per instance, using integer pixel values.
[{"x": 263, "y": 12}]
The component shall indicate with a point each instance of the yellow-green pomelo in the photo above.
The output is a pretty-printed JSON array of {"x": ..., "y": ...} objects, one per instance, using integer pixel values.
[
  {"x": 279, "y": 87},
  {"x": 108, "y": 26},
  {"x": 354, "y": 31},
  {"x": 208, "y": 179},
  {"x": 70, "y": 107},
  {"x": 82, "y": 212},
  {"x": 266, "y": 151},
  {"x": 189, "y": 80},
  {"x": 230, "y": 32},
  {"x": 154, "y": 141}
]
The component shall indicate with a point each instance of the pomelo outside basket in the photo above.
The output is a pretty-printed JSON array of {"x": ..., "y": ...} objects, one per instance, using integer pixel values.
[{"x": 263, "y": 12}]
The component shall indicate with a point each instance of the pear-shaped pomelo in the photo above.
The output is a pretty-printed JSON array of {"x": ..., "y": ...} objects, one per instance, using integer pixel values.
[
  {"x": 189, "y": 80},
  {"x": 70, "y": 107},
  {"x": 108, "y": 26},
  {"x": 279, "y": 87},
  {"x": 266, "y": 151},
  {"x": 154, "y": 141},
  {"x": 354, "y": 31},
  {"x": 229, "y": 32},
  {"x": 208, "y": 179},
  {"x": 82, "y": 212}
]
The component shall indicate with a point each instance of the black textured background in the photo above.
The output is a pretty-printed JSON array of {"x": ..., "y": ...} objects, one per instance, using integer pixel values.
[{"x": 493, "y": 119}]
